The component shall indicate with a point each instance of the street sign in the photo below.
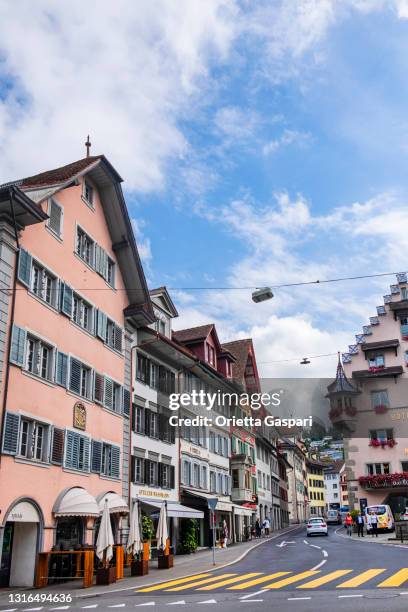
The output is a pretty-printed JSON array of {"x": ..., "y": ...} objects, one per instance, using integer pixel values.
[{"x": 212, "y": 503}]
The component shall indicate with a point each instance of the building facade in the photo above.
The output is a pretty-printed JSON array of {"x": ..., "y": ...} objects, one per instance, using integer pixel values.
[
  {"x": 332, "y": 486},
  {"x": 294, "y": 452},
  {"x": 316, "y": 488},
  {"x": 73, "y": 270}
]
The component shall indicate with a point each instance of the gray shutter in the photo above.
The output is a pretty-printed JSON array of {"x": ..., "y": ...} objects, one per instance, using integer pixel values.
[
  {"x": 103, "y": 271},
  {"x": 96, "y": 457},
  {"x": 115, "y": 462},
  {"x": 67, "y": 296},
  {"x": 126, "y": 402},
  {"x": 75, "y": 375},
  {"x": 99, "y": 387},
  {"x": 57, "y": 446},
  {"x": 10, "y": 436},
  {"x": 18, "y": 344},
  {"x": 61, "y": 370},
  {"x": 108, "y": 393},
  {"x": 71, "y": 450},
  {"x": 54, "y": 222},
  {"x": 101, "y": 325},
  {"x": 87, "y": 454},
  {"x": 24, "y": 267},
  {"x": 97, "y": 257},
  {"x": 118, "y": 338}
]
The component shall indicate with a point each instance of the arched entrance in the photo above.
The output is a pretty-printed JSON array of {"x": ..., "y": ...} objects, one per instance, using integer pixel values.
[
  {"x": 22, "y": 529},
  {"x": 397, "y": 501}
]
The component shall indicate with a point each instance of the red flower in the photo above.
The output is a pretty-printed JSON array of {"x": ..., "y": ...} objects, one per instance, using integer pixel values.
[{"x": 380, "y": 409}]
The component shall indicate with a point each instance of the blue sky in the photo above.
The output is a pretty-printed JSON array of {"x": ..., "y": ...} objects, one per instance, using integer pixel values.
[{"x": 260, "y": 143}]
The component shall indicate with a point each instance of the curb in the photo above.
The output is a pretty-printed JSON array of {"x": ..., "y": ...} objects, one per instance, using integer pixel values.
[
  {"x": 368, "y": 541},
  {"x": 237, "y": 560}
]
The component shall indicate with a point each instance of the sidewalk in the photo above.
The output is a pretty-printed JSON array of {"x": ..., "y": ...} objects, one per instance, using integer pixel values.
[
  {"x": 184, "y": 565},
  {"x": 383, "y": 538}
]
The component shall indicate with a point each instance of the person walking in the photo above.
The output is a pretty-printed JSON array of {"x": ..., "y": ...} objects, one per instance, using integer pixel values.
[
  {"x": 349, "y": 524},
  {"x": 360, "y": 525},
  {"x": 374, "y": 525},
  {"x": 267, "y": 526},
  {"x": 258, "y": 528}
]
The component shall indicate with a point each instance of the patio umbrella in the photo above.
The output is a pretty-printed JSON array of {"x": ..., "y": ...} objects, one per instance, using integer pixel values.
[
  {"x": 134, "y": 543},
  {"x": 162, "y": 534},
  {"x": 104, "y": 543}
]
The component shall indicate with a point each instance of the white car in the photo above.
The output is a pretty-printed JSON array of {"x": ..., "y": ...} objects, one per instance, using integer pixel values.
[{"x": 316, "y": 526}]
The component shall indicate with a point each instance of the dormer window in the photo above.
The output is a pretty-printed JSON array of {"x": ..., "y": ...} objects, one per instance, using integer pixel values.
[
  {"x": 210, "y": 355},
  {"x": 88, "y": 194}
]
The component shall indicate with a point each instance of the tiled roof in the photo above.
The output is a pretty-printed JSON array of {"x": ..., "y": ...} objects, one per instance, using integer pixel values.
[
  {"x": 193, "y": 334},
  {"x": 58, "y": 175},
  {"x": 334, "y": 467},
  {"x": 341, "y": 383},
  {"x": 240, "y": 350}
]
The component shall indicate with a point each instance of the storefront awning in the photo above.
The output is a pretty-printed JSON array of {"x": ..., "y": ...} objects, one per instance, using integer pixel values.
[
  {"x": 240, "y": 511},
  {"x": 221, "y": 505},
  {"x": 116, "y": 503},
  {"x": 75, "y": 502},
  {"x": 176, "y": 510}
]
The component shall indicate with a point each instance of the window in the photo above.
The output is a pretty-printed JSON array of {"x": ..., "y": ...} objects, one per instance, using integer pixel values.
[
  {"x": 77, "y": 452},
  {"x": 33, "y": 440},
  {"x": 154, "y": 375},
  {"x": 153, "y": 431},
  {"x": 138, "y": 470},
  {"x": 378, "y": 468},
  {"x": 196, "y": 475},
  {"x": 138, "y": 416},
  {"x": 404, "y": 293},
  {"x": 203, "y": 482},
  {"x": 43, "y": 284},
  {"x": 110, "y": 272},
  {"x": 113, "y": 337},
  {"x": 235, "y": 479},
  {"x": 85, "y": 247},
  {"x": 54, "y": 217},
  {"x": 117, "y": 398},
  {"x": 39, "y": 358},
  {"x": 379, "y": 398},
  {"x": 381, "y": 434},
  {"x": 110, "y": 461},
  {"x": 82, "y": 313},
  {"x": 165, "y": 476},
  {"x": 153, "y": 473},
  {"x": 186, "y": 472},
  {"x": 404, "y": 327},
  {"x": 213, "y": 484},
  {"x": 80, "y": 380},
  {"x": 376, "y": 361},
  {"x": 210, "y": 355},
  {"x": 142, "y": 369},
  {"x": 404, "y": 466},
  {"x": 88, "y": 193}
]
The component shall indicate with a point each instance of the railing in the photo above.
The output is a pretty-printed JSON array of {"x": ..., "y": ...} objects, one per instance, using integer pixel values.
[{"x": 384, "y": 481}]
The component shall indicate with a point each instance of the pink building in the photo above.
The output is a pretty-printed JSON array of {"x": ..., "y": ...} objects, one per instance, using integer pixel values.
[
  {"x": 67, "y": 247},
  {"x": 369, "y": 403}
]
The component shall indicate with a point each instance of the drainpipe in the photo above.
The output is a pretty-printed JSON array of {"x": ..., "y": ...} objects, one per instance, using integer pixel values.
[{"x": 11, "y": 321}]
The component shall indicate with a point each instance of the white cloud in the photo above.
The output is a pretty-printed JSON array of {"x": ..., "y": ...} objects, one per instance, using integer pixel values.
[
  {"x": 288, "y": 137},
  {"x": 143, "y": 243}
]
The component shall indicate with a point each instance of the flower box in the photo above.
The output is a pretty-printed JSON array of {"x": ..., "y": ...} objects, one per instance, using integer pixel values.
[
  {"x": 165, "y": 561},
  {"x": 381, "y": 409},
  {"x": 106, "y": 575},
  {"x": 139, "y": 568}
]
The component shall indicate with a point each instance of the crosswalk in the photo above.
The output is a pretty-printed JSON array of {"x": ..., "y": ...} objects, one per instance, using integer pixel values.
[{"x": 309, "y": 579}]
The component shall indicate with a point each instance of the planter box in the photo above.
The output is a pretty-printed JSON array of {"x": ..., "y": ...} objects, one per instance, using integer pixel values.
[
  {"x": 139, "y": 568},
  {"x": 106, "y": 575},
  {"x": 166, "y": 562}
]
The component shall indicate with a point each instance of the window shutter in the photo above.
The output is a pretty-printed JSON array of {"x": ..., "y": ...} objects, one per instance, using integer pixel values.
[
  {"x": 160, "y": 474},
  {"x": 147, "y": 414},
  {"x": 147, "y": 471},
  {"x": 118, "y": 338},
  {"x": 162, "y": 379},
  {"x": 57, "y": 446},
  {"x": 96, "y": 458},
  {"x": 71, "y": 449},
  {"x": 18, "y": 344},
  {"x": 61, "y": 370},
  {"x": 115, "y": 462},
  {"x": 75, "y": 375},
  {"x": 54, "y": 222},
  {"x": 67, "y": 297},
  {"x": 10, "y": 436},
  {"x": 172, "y": 429},
  {"x": 126, "y": 402},
  {"x": 108, "y": 393},
  {"x": 99, "y": 384},
  {"x": 172, "y": 476},
  {"x": 133, "y": 469},
  {"x": 87, "y": 454},
  {"x": 101, "y": 325},
  {"x": 24, "y": 267},
  {"x": 97, "y": 257}
]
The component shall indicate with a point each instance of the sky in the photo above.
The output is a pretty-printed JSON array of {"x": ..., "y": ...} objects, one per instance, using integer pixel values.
[{"x": 260, "y": 142}]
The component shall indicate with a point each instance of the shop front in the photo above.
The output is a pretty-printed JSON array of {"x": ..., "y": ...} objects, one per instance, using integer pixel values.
[{"x": 243, "y": 519}]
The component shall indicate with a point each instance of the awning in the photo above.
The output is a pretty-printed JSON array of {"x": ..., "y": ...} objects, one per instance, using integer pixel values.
[
  {"x": 221, "y": 505},
  {"x": 76, "y": 502},
  {"x": 116, "y": 503},
  {"x": 240, "y": 511},
  {"x": 23, "y": 512},
  {"x": 175, "y": 510}
]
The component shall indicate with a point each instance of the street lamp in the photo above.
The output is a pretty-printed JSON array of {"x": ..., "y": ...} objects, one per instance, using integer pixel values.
[
  {"x": 305, "y": 361},
  {"x": 262, "y": 294}
]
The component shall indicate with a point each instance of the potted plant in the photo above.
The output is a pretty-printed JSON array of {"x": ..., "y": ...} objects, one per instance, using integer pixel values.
[
  {"x": 165, "y": 559},
  {"x": 188, "y": 542},
  {"x": 147, "y": 534},
  {"x": 380, "y": 409}
]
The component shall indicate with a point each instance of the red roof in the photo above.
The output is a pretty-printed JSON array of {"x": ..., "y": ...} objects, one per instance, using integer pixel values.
[
  {"x": 240, "y": 350},
  {"x": 58, "y": 175},
  {"x": 193, "y": 334}
]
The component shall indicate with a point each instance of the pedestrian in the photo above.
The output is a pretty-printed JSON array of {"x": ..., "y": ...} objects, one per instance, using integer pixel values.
[
  {"x": 374, "y": 525},
  {"x": 349, "y": 524},
  {"x": 258, "y": 528},
  {"x": 224, "y": 533},
  {"x": 267, "y": 526},
  {"x": 360, "y": 525}
]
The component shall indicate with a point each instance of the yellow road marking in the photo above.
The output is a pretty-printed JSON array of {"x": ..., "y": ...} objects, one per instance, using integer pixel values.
[
  {"x": 292, "y": 579},
  {"x": 246, "y": 585},
  {"x": 157, "y": 587},
  {"x": 324, "y": 579},
  {"x": 396, "y": 579},
  {"x": 228, "y": 581},
  {"x": 200, "y": 582},
  {"x": 360, "y": 579}
]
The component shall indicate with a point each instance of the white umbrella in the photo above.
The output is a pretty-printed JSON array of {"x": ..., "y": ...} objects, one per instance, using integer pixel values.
[
  {"x": 134, "y": 543},
  {"x": 104, "y": 543},
  {"x": 162, "y": 534}
]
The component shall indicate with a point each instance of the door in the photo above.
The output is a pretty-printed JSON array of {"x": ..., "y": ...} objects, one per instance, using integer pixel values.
[{"x": 5, "y": 565}]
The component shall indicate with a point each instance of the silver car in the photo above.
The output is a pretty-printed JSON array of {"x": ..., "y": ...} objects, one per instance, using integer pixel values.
[{"x": 316, "y": 526}]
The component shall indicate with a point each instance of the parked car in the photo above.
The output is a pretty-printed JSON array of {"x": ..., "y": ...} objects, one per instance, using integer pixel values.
[
  {"x": 384, "y": 516},
  {"x": 316, "y": 526},
  {"x": 404, "y": 515},
  {"x": 333, "y": 517}
]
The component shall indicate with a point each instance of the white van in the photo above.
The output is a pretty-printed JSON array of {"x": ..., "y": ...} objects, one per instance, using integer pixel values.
[{"x": 384, "y": 516}]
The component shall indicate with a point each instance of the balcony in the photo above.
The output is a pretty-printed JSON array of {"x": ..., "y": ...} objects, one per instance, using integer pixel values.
[
  {"x": 379, "y": 372},
  {"x": 384, "y": 481},
  {"x": 241, "y": 495}
]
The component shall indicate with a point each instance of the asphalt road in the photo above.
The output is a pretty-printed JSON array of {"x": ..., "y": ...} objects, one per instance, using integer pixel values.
[{"x": 290, "y": 573}]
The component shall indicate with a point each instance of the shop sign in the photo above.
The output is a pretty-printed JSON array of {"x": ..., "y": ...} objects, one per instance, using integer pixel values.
[
  {"x": 80, "y": 416},
  {"x": 153, "y": 493}
]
